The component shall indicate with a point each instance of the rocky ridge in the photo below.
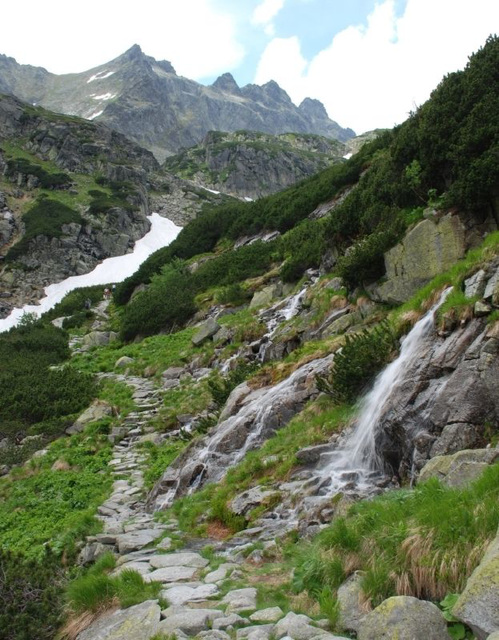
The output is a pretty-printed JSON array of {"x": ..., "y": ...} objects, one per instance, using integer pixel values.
[{"x": 146, "y": 100}]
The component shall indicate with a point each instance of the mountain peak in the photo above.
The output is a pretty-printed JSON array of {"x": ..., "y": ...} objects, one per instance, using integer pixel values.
[
  {"x": 274, "y": 91},
  {"x": 134, "y": 53},
  {"x": 226, "y": 83},
  {"x": 313, "y": 108}
]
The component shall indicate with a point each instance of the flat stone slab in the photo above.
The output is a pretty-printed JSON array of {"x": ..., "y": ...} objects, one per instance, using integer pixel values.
[
  {"x": 140, "y": 567},
  {"x": 187, "y": 559},
  {"x": 134, "y": 541},
  {"x": 230, "y": 621},
  {"x": 259, "y": 632},
  {"x": 139, "y": 622},
  {"x": 297, "y": 626},
  {"x": 182, "y": 595},
  {"x": 240, "y": 600},
  {"x": 272, "y": 614},
  {"x": 220, "y": 573},
  {"x": 171, "y": 574},
  {"x": 189, "y": 621}
]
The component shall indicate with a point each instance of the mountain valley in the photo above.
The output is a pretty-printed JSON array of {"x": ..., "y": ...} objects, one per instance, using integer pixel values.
[{"x": 285, "y": 422}]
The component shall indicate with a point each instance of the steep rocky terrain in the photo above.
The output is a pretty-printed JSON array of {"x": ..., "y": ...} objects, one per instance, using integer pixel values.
[
  {"x": 100, "y": 183},
  {"x": 286, "y": 423},
  {"x": 145, "y": 99},
  {"x": 251, "y": 164}
]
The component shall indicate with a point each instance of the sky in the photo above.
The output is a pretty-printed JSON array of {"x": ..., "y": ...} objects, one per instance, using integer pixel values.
[{"x": 371, "y": 62}]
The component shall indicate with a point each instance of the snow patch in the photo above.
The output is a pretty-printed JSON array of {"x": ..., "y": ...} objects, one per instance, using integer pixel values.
[
  {"x": 248, "y": 199},
  {"x": 102, "y": 75},
  {"x": 161, "y": 234},
  {"x": 105, "y": 96},
  {"x": 347, "y": 156},
  {"x": 95, "y": 115}
]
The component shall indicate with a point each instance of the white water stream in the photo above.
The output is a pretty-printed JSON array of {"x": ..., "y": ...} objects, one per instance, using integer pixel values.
[
  {"x": 112, "y": 270},
  {"x": 357, "y": 459}
]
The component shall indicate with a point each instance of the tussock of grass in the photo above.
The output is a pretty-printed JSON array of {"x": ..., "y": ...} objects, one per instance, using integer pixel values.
[{"x": 423, "y": 542}]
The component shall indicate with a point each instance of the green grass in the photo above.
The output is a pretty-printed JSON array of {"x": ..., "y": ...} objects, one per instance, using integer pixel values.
[
  {"x": 160, "y": 352},
  {"x": 423, "y": 542},
  {"x": 119, "y": 395},
  {"x": 158, "y": 459}
]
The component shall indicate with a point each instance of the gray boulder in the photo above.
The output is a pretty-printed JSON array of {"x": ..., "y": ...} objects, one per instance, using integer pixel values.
[
  {"x": 240, "y": 600},
  {"x": 349, "y": 602},
  {"x": 248, "y": 500},
  {"x": 206, "y": 331},
  {"x": 478, "y": 605},
  {"x": 460, "y": 468},
  {"x": 190, "y": 621},
  {"x": 296, "y": 626},
  {"x": 96, "y": 411},
  {"x": 404, "y": 618},
  {"x": 139, "y": 622}
]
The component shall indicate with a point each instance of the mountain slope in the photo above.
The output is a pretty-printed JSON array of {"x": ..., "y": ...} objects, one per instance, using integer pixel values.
[
  {"x": 251, "y": 164},
  {"x": 147, "y": 101}
]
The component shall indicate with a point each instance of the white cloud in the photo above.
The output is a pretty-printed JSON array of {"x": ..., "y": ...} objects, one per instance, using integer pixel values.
[
  {"x": 266, "y": 11},
  {"x": 197, "y": 37},
  {"x": 373, "y": 76}
]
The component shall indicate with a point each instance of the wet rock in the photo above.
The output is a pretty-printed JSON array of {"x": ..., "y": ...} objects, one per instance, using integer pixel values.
[
  {"x": 311, "y": 455},
  {"x": 404, "y": 618},
  {"x": 206, "y": 331},
  {"x": 248, "y": 500},
  {"x": 139, "y": 622},
  {"x": 478, "y": 605},
  {"x": 235, "y": 400}
]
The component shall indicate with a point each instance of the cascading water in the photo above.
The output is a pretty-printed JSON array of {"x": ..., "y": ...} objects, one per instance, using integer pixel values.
[{"x": 357, "y": 459}]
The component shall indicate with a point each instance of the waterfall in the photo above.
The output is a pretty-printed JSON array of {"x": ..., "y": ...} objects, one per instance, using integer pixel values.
[{"x": 357, "y": 459}]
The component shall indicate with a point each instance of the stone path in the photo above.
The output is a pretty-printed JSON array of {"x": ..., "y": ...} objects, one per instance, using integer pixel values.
[{"x": 192, "y": 587}]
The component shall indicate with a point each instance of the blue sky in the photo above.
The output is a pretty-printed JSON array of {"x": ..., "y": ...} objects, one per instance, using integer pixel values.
[{"x": 369, "y": 61}]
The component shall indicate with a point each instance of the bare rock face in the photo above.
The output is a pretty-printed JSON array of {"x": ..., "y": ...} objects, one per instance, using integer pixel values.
[{"x": 449, "y": 393}]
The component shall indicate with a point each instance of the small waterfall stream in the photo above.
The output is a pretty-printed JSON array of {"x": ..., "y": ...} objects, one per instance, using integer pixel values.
[{"x": 357, "y": 459}]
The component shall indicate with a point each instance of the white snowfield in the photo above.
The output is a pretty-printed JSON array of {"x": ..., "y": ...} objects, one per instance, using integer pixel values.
[
  {"x": 102, "y": 75},
  {"x": 161, "y": 234}
]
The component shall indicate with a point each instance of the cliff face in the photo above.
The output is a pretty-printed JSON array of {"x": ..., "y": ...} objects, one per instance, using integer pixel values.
[
  {"x": 146, "y": 100},
  {"x": 251, "y": 164}
]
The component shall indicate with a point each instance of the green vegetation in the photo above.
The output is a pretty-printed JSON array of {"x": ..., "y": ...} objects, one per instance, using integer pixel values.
[
  {"x": 95, "y": 590},
  {"x": 46, "y": 217},
  {"x": 158, "y": 458},
  {"x": 46, "y": 179},
  {"x": 362, "y": 356},
  {"x": 423, "y": 542},
  {"x": 36, "y": 394},
  {"x": 30, "y": 596},
  {"x": 119, "y": 196},
  {"x": 42, "y": 507}
]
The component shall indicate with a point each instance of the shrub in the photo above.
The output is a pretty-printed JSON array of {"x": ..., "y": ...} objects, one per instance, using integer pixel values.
[
  {"x": 221, "y": 388},
  {"x": 358, "y": 362},
  {"x": 45, "y": 218},
  {"x": 30, "y": 596},
  {"x": 47, "y": 180}
]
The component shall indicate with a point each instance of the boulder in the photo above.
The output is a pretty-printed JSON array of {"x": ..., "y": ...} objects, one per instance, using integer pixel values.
[
  {"x": 229, "y": 621},
  {"x": 190, "y": 621},
  {"x": 136, "y": 540},
  {"x": 475, "y": 284},
  {"x": 97, "y": 339},
  {"x": 123, "y": 362},
  {"x": 140, "y": 622},
  {"x": 272, "y": 614},
  {"x": 206, "y": 331},
  {"x": 460, "y": 468},
  {"x": 404, "y": 618},
  {"x": 296, "y": 626},
  {"x": 259, "y": 632},
  {"x": 264, "y": 297},
  {"x": 248, "y": 500},
  {"x": 240, "y": 600},
  {"x": 172, "y": 373},
  {"x": 187, "y": 559},
  {"x": 96, "y": 411},
  {"x": 478, "y": 605},
  {"x": 428, "y": 249},
  {"x": 481, "y": 309},
  {"x": 349, "y": 603}
]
